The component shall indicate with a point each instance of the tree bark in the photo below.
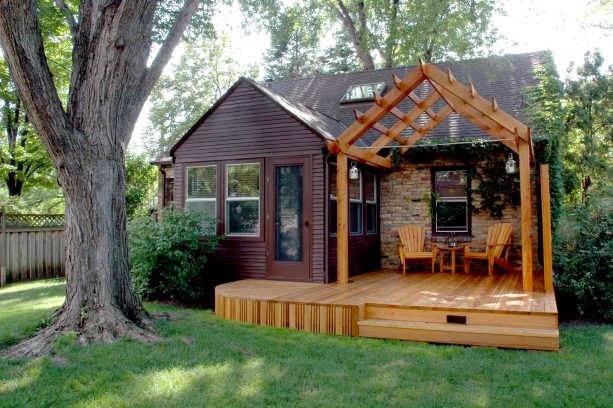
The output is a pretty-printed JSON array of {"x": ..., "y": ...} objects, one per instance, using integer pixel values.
[
  {"x": 13, "y": 184},
  {"x": 358, "y": 37},
  {"x": 109, "y": 85},
  {"x": 389, "y": 55}
]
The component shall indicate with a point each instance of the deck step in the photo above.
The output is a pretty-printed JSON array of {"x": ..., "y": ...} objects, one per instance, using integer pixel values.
[
  {"x": 444, "y": 315},
  {"x": 476, "y": 335}
]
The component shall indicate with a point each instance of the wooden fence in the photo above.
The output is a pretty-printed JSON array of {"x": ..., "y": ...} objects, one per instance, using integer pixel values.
[{"x": 31, "y": 246}]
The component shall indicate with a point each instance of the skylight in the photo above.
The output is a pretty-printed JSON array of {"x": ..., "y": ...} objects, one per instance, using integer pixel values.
[{"x": 363, "y": 92}]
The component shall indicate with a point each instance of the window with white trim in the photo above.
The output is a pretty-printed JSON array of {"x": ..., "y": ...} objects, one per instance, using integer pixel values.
[
  {"x": 242, "y": 199},
  {"x": 370, "y": 196},
  {"x": 201, "y": 194},
  {"x": 451, "y": 206},
  {"x": 355, "y": 205}
]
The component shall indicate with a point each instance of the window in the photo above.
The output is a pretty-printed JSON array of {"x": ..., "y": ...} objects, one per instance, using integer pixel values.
[
  {"x": 363, "y": 92},
  {"x": 370, "y": 195},
  {"x": 355, "y": 205},
  {"x": 356, "y": 215},
  {"x": 202, "y": 190},
  {"x": 243, "y": 199},
  {"x": 451, "y": 206}
]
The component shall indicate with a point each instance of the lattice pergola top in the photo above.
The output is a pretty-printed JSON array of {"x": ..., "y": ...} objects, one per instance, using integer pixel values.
[{"x": 456, "y": 97}]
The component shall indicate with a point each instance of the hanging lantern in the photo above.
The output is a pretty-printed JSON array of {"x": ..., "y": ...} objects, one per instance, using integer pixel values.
[
  {"x": 511, "y": 165},
  {"x": 353, "y": 171}
]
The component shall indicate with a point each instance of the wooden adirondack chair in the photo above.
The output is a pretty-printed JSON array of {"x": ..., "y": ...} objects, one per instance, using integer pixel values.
[
  {"x": 496, "y": 250},
  {"x": 412, "y": 245}
]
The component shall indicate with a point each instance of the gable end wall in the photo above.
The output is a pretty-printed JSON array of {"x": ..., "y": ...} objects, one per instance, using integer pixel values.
[{"x": 248, "y": 125}]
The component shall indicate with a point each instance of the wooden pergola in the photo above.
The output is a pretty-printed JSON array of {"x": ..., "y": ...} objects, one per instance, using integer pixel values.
[{"x": 458, "y": 98}]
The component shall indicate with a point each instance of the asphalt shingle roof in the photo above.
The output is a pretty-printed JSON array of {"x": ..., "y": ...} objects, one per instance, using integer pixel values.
[{"x": 318, "y": 99}]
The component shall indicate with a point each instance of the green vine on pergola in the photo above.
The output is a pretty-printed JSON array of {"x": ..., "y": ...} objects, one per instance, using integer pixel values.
[{"x": 498, "y": 190}]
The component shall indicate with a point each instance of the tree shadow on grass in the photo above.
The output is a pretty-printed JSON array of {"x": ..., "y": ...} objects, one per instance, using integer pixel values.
[
  {"x": 17, "y": 293},
  {"x": 205, "y": 361},
  {"x": 26, "y": 306}
]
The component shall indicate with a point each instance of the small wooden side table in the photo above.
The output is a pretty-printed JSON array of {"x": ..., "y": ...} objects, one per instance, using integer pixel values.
[{"x": 452, "y": 251}]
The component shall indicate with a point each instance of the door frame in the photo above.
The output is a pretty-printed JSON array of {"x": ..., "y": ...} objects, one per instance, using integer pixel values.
[{"x": 292, "y": 269}]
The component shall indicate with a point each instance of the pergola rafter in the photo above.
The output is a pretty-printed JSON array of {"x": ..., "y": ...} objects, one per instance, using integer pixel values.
[{"x": 457, "y": 97}]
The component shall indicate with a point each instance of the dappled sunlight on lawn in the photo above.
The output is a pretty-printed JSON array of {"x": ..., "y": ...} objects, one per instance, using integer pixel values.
[
  {"x": 25, "y": 306},
  {"x": 607, "y": 339},
  {"x": 203, "y": 360},
  {"x": 228, "y": 381},
  {"x": 215, "y": 379},
  {"x": 25, "y": 379}
]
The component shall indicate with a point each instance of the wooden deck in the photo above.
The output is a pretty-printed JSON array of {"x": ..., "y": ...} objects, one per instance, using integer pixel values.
[{"x": 471, "y": 309}]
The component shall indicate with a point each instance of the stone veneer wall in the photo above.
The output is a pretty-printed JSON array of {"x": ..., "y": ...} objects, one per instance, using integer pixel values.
[{"x": 402, "y": 202}]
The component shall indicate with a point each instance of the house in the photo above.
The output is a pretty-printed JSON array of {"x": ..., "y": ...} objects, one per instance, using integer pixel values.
[{"x": 265, "y": 160}]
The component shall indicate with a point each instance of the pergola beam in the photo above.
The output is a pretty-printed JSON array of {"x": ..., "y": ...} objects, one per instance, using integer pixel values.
[
  {"x": 357, "y": 154},
  {"x": 432, "y": 123},
  {"x": 470, "y": 97},
  {"x": 378, "y": 111},
  {"x": 478, "y": 119},
  {"x": 406, "y": 121}
]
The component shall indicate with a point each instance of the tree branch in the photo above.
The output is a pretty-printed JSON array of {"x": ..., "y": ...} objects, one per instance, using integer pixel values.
[
  {"x": 21, "y": 40},
  {"x": 388, "y": 56},
  {"x": 172, "y": 39},
  {"x": 357, "y": 38},
  {"x": 72, "y": 23}
]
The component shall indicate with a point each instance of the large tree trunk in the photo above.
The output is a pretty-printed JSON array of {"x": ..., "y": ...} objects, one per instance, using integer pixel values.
[
  {"x": 13, "y": 184},
  {"x": 100, "y": 302},
  {"x": 109, "y": 85}
]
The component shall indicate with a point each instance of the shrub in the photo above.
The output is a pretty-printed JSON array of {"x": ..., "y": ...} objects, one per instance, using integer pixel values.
[
  {"x": 584, "y": 272},
  {"x": 168, "y": 258}
]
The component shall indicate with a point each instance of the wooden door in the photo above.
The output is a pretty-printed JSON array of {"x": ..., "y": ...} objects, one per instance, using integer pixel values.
[{"x": 288, "y": 218}]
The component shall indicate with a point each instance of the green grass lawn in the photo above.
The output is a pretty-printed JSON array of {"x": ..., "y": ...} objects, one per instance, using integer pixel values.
[{"x": 205, "y": 361}]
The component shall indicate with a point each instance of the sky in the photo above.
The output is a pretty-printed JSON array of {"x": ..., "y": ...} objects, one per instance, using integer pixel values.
[{"x": 565, "y": 27}]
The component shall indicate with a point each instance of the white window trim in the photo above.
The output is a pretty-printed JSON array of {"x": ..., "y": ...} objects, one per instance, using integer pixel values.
[
  {"x": 333, "y": 194},
  {"x": 357, "y": 201},
  {"x": 375, "y": 203},
  {"x": 195, "y": 200},
  {"x": 452, "y": 200},
  {"x": 375, "y": 185},
  {"x": 230, "y": 199}
]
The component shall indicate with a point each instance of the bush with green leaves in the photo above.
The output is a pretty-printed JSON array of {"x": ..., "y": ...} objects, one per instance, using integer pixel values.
[
  {"x": 168, "y": 258},
  {"x": 584, "y": 270}
]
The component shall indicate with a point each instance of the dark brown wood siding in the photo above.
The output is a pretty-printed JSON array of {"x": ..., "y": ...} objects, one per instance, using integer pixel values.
[
  {"x": 364, "y": 255},
  {"x": 249, "y": 126},
  {"x": 365, "y": 248}
]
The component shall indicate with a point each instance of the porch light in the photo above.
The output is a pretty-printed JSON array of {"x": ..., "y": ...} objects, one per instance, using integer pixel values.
[
  {"x": 511, "y": 165},
  {"x": 353, "y": 171}
]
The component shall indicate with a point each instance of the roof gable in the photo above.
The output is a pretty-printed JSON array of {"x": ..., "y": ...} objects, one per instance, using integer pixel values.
[
  {"x": 323, "y": 126},
  {"x": 316, "y": 102},
  {"x": 504, "y": 77}
]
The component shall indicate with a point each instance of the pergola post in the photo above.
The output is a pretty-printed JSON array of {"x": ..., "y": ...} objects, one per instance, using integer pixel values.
[
  {"x": 526, "y": 215},
  {"x": 342, "y": 219},
  {"x": 547, "y": 241}
]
